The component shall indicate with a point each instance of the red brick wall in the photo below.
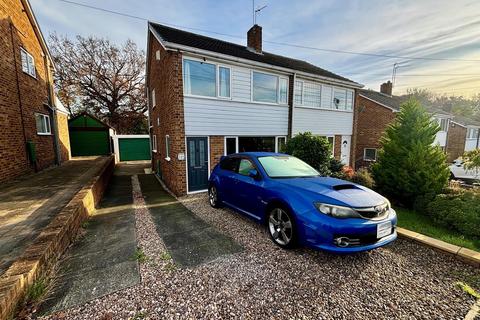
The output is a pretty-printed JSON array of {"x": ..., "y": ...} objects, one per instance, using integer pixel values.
[
  {"x": 337, "y": 149},
  {"x": 63, "y": 136},
  {"x": 27, "y": 98},
  {"x": 455, "y": 141},
  {"x": 165, "y": 76},
  {"x": 370, "y": 122},
  {"x": 216, "y": 150}
]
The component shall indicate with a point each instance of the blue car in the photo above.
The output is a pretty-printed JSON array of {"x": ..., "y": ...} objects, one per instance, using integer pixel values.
[{"x": 300, "y": 207}]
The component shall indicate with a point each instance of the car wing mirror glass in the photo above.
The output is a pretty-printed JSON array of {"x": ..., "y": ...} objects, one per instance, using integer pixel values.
[{"x": 253, "y": 174}]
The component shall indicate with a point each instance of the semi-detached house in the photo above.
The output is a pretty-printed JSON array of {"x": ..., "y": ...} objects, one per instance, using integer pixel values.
[{"x": 209, "y": 98}]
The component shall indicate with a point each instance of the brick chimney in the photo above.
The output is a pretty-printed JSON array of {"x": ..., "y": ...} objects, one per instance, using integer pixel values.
[
  {"x": 386, "y": 88},
  {"x": 254, "y": 38}
]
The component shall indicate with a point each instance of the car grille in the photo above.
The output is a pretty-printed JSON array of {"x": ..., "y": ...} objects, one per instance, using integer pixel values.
[{"x": 374, "y": 213}]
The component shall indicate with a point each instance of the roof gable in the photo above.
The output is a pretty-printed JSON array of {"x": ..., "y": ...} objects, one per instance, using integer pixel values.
[{"x": 188, "y": 39}]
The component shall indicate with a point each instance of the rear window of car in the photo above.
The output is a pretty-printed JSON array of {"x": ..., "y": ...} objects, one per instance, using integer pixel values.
[{"x": 229, "y": 164}]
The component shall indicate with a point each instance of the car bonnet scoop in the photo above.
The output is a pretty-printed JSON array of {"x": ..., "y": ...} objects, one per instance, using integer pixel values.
[{"x": 346, "y": 186}]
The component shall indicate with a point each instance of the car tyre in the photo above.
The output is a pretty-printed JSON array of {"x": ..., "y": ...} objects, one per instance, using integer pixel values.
[
  {"x": 213, "y": 198},
  {"x": 281, "y": 227}
]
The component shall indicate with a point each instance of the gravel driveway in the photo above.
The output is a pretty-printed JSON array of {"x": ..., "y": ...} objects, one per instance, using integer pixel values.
[{"x": 404, "y": 280}]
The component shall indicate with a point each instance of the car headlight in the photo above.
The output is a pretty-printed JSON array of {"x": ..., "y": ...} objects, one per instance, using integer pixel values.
[{"x": 336, "y": 211}]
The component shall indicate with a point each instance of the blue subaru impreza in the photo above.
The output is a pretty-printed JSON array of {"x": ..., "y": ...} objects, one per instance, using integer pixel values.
[{"x": 300, "y": 207}]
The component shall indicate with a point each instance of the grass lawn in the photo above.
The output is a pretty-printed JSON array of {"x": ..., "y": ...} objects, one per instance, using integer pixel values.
[{"x": 414, "y": 221}]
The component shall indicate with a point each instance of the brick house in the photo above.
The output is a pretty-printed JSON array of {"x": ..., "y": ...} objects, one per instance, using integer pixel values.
[
  {"x": 32, "y": 129},
  {"x": 376, "y": 110},
  {"x": 209, "y": 98}
]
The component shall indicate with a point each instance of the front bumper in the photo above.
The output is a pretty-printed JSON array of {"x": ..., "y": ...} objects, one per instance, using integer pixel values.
[{"x": 319, "y": 231}]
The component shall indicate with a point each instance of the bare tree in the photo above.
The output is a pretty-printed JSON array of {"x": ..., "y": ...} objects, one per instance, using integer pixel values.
[{"x": 102, "y": 78}]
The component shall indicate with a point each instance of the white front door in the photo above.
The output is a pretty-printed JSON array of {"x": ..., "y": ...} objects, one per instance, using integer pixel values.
[{"x": 345, "y": 150}]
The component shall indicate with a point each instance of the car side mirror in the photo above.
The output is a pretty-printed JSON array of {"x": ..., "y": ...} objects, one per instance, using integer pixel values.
[{"x": 253, "y": 174}]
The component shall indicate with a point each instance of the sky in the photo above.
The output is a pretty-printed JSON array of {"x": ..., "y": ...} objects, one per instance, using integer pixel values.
[{"x": 440, "y": 29}]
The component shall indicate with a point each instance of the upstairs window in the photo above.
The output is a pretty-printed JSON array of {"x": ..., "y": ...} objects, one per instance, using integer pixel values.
[
  {"x": 224, "y": 82},
  {"x": 269, "y": 88},
  {"x": 311, "y": 94},
  {"x": 265, "y": 87},
  {"x": 283, "y": 91},
  {"x": 154, "y": 100},
  {"x": 298, "y": 93},
  {"x": 472, "y": 133},
  {"x": 28, "y": 63},
  {"x": 199, "y": 78},
  {"x": 443, "y": 125},
  {"x": 43, "y": 124}
]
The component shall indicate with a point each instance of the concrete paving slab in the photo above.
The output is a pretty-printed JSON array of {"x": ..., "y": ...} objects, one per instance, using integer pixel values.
[
  {"x": 189, "y": 239},
  {"x": 29, "y": 204},
  {"x": 102, "y": 260}
]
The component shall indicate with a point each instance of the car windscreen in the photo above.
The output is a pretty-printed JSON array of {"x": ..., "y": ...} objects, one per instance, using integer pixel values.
[{"x": 286, "y": 167}]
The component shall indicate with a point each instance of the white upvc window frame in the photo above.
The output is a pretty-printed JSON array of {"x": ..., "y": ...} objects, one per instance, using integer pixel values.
[
  {"x": 218, "y": 66},
  {"x": 217, "y": 79},
  {"x": 277, "y": 103},
  {"x": 154, "y": 143},
  {"x": 332, "y": 105},
  {"x": 277, "y": 149},
  {"x": 365, "y": 154},
  {"x": 167, "y": 147},
  {"x": 302, "y": 83},
  {"x": 154, "y": 99},
  {"x": 225, "y": 144},
  {"x": 45, "y": 118},
  {"x": 30, "y": 66}
]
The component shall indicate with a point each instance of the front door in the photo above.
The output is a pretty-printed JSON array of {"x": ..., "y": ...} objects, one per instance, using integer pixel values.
[
  {"x": 345, "y": 151},
  {"x": 197, "y": 163}
]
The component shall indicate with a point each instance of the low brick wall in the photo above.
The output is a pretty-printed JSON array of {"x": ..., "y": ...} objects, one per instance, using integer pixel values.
[{"x": 44, "y": 252}]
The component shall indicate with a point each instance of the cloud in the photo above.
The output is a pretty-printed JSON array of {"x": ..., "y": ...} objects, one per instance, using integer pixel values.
[{"x": 403, "y": 27}]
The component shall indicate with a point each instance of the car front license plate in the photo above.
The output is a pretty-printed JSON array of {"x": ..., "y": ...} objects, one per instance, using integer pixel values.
[{"x": 384, "y": 229}]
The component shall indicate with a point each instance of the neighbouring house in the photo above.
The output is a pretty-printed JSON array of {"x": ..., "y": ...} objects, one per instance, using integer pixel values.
[
  {"x": 376, "y": 110},
  {"x": 472, "y": 137},
  {"x": 209, "y": 98},
  {"x": 89, "y": 136},
  {"x": 32, "y": 129}
]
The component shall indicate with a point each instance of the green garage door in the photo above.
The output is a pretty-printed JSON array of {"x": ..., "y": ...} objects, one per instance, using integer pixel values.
[
  {"x": 89, "y": 143},
  {"x": 134, "y": 149}
]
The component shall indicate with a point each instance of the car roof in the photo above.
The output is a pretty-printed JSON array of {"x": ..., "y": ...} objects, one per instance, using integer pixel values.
[{"x": 257, "y": 154}]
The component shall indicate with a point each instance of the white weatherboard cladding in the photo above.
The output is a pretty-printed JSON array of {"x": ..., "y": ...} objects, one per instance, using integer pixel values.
[
  {"x": 226, "y": 117},
  {"x": 322, "y": 122},
  {"x": 241, "y": 83}
]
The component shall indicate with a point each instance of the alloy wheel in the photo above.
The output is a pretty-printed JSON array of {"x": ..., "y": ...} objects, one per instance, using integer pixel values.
[
  {"x": 212, "y": 196},
  {"x": 280, "y": 227}
]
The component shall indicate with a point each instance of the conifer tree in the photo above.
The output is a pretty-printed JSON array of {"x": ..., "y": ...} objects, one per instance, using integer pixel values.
[{"x": 410, "y": 166}]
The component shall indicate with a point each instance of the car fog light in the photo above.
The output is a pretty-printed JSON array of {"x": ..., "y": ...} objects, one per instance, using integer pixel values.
[{"x": 342, "y": 242}]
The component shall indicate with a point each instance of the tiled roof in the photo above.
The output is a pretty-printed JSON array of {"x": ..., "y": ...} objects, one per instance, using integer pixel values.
[
  {"x": 206, "y": 43},
  {"x": 393, "y": 102}
]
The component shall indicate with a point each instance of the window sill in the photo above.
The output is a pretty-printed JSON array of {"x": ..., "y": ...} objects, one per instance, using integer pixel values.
[
  {"x": 168, "y": 159},
  {"x": 44, "y": 134},
  {"x": 323, "y": 109},
  {"x": 31, "y": 76},
  {"x": 369, "y": 160},
  {"x": 154, "y": 151}
]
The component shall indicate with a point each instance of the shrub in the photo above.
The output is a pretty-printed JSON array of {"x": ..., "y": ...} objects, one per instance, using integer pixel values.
[
  {"x": 314, "y": 150},
  {"x": 348, "y": 172},
  {"x": 459, "y": 211},
  {"x": 472, "y": 161},
  {"x": 336, "y": 169},
  {"x": 409, "y": 164},
  {"x": 364, "y": 177}
]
